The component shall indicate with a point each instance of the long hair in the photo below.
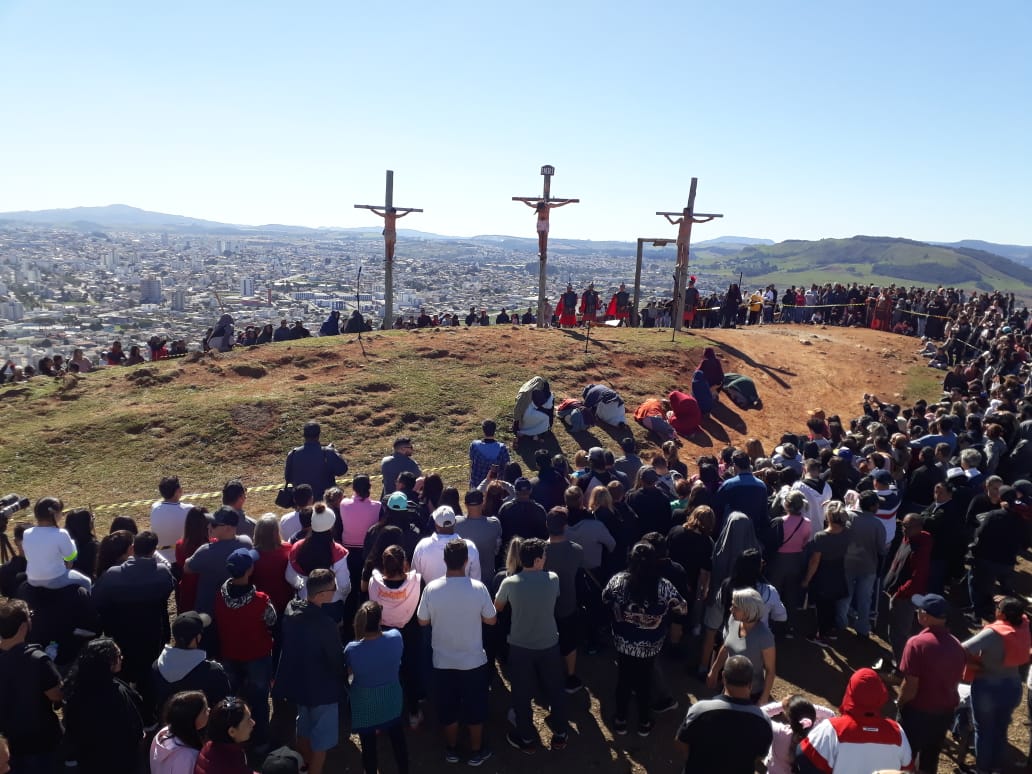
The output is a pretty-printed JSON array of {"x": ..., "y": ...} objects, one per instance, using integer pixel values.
[
  {"x": 228, "y": 713},
  {"x": 267, "y": 534},
  {"x": 433, "y": 486},
  {"x": 79, "y": 525},
  {"x": 316, "y": 552},
  {"x": 92, "y": 670},
  {"x": 111, "y": 550},
  {"x": 643, "y": 574},
  {"x": 195, "y": 529},
  {"x": 388, "y": 536},
  {"x": 493, "y": 498},
  {"x": 180, "y": 716}
]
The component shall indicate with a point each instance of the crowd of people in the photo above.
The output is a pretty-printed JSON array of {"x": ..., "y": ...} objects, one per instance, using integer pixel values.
[
  {"x": 964, "y": 322},
  {"x": 905, "y": 522}
]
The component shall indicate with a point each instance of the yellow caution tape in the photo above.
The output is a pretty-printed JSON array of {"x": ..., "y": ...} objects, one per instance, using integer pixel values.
[{"x": 250, "y": 490}]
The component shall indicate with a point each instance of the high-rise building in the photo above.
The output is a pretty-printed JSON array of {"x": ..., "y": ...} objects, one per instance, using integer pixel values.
[
  {"x": 247, "y": 287},
  {"x": 179, "y": 301},
  {"x": 150, "y": 291},
  {"x": 12, "y": 310}
]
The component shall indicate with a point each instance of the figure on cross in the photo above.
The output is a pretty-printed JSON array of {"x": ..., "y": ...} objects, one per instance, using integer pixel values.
[
  {"x": 542, "y": 208},
  {"x": 390, "y": 217}
]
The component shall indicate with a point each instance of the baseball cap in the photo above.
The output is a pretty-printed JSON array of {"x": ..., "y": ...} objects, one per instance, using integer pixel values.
[
  {"x": 323, "y": 521},
  {"x": 225, "y": 517},
  {"x": 648, "y": 475},
  {"x": 933, "y": 604},
  {"x": 882, "y": 476},
  {"x": 555, "y": 522},
  {"x": 522, "y": 484},
  {"x": 1024, "y": 486},
  {"x": 596, "y": 455},
  {"x": 397, "y": 502},
  {"x": 845, "y": 453},
  {"x": 187, "y": 626},
  {"x": 240, "y": 561},
  {"x": 444, "y": 516}
]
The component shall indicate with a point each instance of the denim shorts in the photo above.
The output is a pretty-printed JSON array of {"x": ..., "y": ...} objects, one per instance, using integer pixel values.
[{"x": 320, "y": 725}]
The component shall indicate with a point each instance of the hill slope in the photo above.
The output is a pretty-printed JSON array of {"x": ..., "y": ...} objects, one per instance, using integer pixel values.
[
  {"x": 878, "y": 259},
  {"x": 109, "y": 436}
]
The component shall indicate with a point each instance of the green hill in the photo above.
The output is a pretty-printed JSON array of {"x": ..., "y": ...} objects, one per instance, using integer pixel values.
[{"x": 877, "y": 259}]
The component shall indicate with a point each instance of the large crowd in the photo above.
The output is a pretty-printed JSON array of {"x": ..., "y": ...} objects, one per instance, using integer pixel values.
[
  {"x": 405, "y": 606},
  {"x": 963, "y": 322}
]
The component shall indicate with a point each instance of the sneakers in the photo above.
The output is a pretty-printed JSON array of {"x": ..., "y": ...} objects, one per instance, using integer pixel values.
[
  {"x": 645, "y": 728},
  {"x": 518, "y": 742},
  {"x": 665, "y": 705},
  {"x": 558, "y": 742},
  {"x": 451, "y": 755},
  {"x": 573, "y": 684},
  {"x": 478, "y": 758},
  {"x": 620, "y": 726}
]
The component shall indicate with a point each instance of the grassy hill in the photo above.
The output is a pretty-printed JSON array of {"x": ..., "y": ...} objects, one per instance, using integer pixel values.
[
  {"x": 880, "y": 260},
  {"x": 109, "y": 436}
]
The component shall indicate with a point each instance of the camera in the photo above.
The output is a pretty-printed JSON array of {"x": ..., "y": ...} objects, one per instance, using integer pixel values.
[{"x": 9, "y": 505}]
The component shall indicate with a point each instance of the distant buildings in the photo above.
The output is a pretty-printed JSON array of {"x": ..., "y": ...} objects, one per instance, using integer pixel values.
[{"x": 150, "y": 291}]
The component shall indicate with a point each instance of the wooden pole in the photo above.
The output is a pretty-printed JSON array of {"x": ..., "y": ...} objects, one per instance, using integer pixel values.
[
  {"x": 390, "y": 215},
  {"x": 550, "y": 204},
  {"x": 636, "y": 304}
]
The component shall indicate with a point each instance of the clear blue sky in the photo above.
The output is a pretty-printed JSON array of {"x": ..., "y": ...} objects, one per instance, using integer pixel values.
[{"x": 800, "y": 119}]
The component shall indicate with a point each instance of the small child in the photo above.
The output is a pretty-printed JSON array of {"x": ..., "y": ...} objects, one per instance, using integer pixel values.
[{"x": 801, "y": 716}]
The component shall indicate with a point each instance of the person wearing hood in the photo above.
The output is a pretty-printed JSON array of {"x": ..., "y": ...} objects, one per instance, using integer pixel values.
[
  {"x": 736, "y": 535},
  {"x": 861, "y": 739},
  {"x": 245, "y": 619},
  {"x": 311, "y": 668},
  {"x": 701, "y": 392},
  {"x": 222, "y": 337},
  {"x": 332, "y": 325},
  {"x": 176, "y": 746},
  {"x": 355, "y": 323},
  {"x": 712, "y": 370},
  {"x": 685, "y": 415},
  {"x": 184, "y": 666}
]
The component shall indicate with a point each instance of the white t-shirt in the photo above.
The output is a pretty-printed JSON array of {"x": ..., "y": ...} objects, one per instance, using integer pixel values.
[
  {"x": 455, "y": 607},
  {"x": 289, "y": 525},
  {"x": 166, "y": 521},
  {"x": 428, "y": 557},
  {"x": 46, "y": 551}
]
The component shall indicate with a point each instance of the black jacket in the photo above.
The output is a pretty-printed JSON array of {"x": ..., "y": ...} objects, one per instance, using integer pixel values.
[
  {"x": 311, "y": 666},
  {"x": 181, "y": 669},
  {"x": 315, "y": 465}
]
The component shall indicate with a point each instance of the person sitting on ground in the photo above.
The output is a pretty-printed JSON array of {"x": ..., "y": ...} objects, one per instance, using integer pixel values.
[
  {"x": 603, "y": 404},
  {"x": 712, "y": 370}
]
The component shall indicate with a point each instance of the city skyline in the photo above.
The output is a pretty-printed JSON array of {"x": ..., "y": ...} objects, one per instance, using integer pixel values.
[{"x": 802, "y": 121}]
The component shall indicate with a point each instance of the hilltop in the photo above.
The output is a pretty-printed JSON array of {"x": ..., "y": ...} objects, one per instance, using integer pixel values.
[{"x": 107, "y": 437}]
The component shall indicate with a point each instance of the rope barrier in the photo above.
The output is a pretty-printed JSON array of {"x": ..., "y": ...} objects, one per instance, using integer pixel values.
[{"x": 250, "y": 490}]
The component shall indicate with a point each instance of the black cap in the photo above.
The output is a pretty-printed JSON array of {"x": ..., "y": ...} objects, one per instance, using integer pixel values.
[
  {"x": 188, "y": 626},
  {"x": 225, "y": 517}
]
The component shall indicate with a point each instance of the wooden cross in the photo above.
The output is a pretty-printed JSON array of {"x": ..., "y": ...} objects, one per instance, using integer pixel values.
[
  {"x": 543, "y": 205},
  {"x": 684, "y": 220},
  {"x": 390, "y": 215}
]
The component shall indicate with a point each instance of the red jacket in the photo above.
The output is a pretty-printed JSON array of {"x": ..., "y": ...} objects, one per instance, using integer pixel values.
[
  {"x": 222, "y": 758},
  {"x": 270, "y": 576},
  {"x": 243, "y": 624},
  {"x": 687, "y": 414}
]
